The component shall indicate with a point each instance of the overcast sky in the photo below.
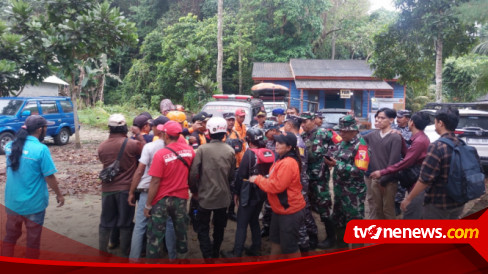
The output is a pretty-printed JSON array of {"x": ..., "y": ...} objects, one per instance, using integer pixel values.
[{"x": 376, "y": 4}]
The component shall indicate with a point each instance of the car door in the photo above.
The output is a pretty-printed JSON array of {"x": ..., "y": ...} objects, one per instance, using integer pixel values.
[
  {"x": 67, "y": 116},
  {"x": 50, "y": 111},
  {"x": 31, "y": 106}
]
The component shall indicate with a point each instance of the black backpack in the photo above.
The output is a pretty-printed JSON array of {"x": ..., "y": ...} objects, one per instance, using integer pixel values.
[
  {"x": 466, "y": 178},
  {"x": 236, "y": 144}
]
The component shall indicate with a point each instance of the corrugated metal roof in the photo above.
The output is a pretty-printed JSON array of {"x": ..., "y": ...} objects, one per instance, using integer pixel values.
[
  {"x": 330, "y": 68},
  {"x": 271, "y": 70},
  {"x": 55, "y": 80},
  {"x": 333, "y": 84}
]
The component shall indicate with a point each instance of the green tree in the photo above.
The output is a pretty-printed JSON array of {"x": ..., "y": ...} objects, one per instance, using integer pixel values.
[
  {"x": 146, "y": 13},
  {"x": 461, "y": 77},
  {"x": 284, "y": 29},
  {"x": 24, "y": 57},
  {"x": 425, "y": 29},
  {"x": 173, "y": 59},
  {"x": 81, "y": 30}
]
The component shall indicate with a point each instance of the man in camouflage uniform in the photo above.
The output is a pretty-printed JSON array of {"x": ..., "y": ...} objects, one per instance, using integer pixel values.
[
  {"x": 318, "y": 141},
  {"x": 349, "y": 185},
  {"x": 308, "y": 239}
]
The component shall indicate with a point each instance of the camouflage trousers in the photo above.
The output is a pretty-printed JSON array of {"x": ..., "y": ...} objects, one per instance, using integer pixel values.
[
  {"x": 156, "y": 227},
  {"x": 349, "y": 199},
  {"x": 320, "y": 198},
  {"x": 308, "y": 227}
]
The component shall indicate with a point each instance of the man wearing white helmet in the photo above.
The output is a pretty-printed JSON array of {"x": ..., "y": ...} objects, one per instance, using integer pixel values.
[{"x": 211, "y": 172}]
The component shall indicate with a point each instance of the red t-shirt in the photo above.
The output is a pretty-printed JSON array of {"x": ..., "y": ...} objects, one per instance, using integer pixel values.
[{"x": 173, "y": 173}]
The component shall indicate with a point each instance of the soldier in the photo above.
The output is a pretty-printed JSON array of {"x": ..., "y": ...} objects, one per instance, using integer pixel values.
[
  {"x": 279, "y": 113},
  {"x": 350, "y": 161},
  {"x": 261, "y": 118},
  {"x": 318, "y": 141}
]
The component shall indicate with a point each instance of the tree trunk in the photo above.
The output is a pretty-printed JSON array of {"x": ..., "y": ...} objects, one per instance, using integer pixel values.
[
  {"x": 333, "y": 42},
  {"x": 438, "y": 69},
  {"x": 75, "y": 106},
  {"x": 240, "y": 51},
  {"x": 220, "y": 47},
  {"x": 333, "y": 46},
  {"x": 102, "y": 87},
  {"x": 240, "y": 68},
  {"x": 75, "y": 111}
]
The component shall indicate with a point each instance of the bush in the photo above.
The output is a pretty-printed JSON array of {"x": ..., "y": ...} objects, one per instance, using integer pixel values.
[{"x": 98, "y": 115}]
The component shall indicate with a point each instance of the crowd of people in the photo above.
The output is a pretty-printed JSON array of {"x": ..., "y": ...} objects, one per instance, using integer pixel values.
[{"x": 171, "y": 174}]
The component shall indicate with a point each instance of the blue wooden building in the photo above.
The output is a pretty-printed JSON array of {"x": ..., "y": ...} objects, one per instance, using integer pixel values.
[{"x": 317, "y": 84}]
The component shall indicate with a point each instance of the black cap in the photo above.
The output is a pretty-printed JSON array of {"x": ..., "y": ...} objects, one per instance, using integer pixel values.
[
  {"x": 147, "y": 114},
  {"x": 295, "y": 120},
  {"x": 34, "y": 122},
  {"x": 202, "y": 116},
  {"x": 289, "y": 139},
  {"x": 141, "y": 120},
  {"x": 161, "y": 120},
  {"x": 229, "y": 115},
  {"x": 269, "y": 125},
  {"x": 404, "y": 113}
]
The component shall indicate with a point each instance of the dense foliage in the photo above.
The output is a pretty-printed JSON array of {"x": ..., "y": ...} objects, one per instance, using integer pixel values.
[{"x": 141, "y": 51}]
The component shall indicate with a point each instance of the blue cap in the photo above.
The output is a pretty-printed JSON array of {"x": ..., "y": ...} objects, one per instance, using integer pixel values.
[{"x": 278, "y": 111}]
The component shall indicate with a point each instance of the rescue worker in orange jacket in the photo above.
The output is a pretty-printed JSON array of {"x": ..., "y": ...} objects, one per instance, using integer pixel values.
[{"x": 284, "y": 192}]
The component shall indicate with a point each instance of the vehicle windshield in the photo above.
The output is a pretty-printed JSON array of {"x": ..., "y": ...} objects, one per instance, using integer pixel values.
[
  {"x": 270, "y": 106},
  {"x": 219, "y": 110},
  {"x": 473, "y": 121},
  {"x": 9, "y": 107},
  {"x": 332, "y": 118}
]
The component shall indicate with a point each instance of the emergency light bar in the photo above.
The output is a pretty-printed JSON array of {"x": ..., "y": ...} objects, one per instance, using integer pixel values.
[{"x": 232, "y": 97}]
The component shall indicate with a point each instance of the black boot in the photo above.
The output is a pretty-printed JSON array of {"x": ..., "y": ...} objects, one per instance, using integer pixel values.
[
  {"x": 125, "y": 241},
  {"x": 313, "y": 241},
  {"x": 331, "y": 235},
  {"x": 103, "y": 239},
  {"x": 114, "y": 238},
  {"x": 252, "y": 251},
  {"x": 227, "y": 254},
  {"x": 265, "y": 231},
  {"x": 231, "y": 215},
  {"x": 304, "y": 248}
]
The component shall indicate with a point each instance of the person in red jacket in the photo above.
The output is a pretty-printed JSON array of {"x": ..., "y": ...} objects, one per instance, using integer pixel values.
[{"x": 284, "y": 192}]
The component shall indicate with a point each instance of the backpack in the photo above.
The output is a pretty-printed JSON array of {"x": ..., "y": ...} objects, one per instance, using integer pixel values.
[
  {"x": 466, "y": 178},
  {"x": 236, "y": 144},
  {"x": 264, "y": 160}
]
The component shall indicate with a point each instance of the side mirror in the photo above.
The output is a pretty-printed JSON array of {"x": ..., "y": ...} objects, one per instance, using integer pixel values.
[{"x": 26, "y": 113}]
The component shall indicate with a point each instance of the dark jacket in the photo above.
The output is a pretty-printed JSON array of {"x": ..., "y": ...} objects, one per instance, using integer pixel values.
[
  {"x": 249, "y": 194},
  {"x": 212, "y": 171},
  {"x": 107, "y": 153}
]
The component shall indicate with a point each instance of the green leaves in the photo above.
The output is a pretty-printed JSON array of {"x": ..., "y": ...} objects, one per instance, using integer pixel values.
[{"x": 462, "y": 77}]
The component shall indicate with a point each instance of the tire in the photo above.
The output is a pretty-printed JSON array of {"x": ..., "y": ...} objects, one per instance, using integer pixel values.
[
  {"x": 63, "y": 137},
  {"x": 5, "y": 137}
]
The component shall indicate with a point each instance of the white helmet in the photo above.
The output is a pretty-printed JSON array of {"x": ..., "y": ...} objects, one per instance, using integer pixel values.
[{"x": 216, "y": 125}]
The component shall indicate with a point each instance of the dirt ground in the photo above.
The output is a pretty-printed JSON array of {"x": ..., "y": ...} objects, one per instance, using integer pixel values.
[{"x": 77, "y": 174}]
